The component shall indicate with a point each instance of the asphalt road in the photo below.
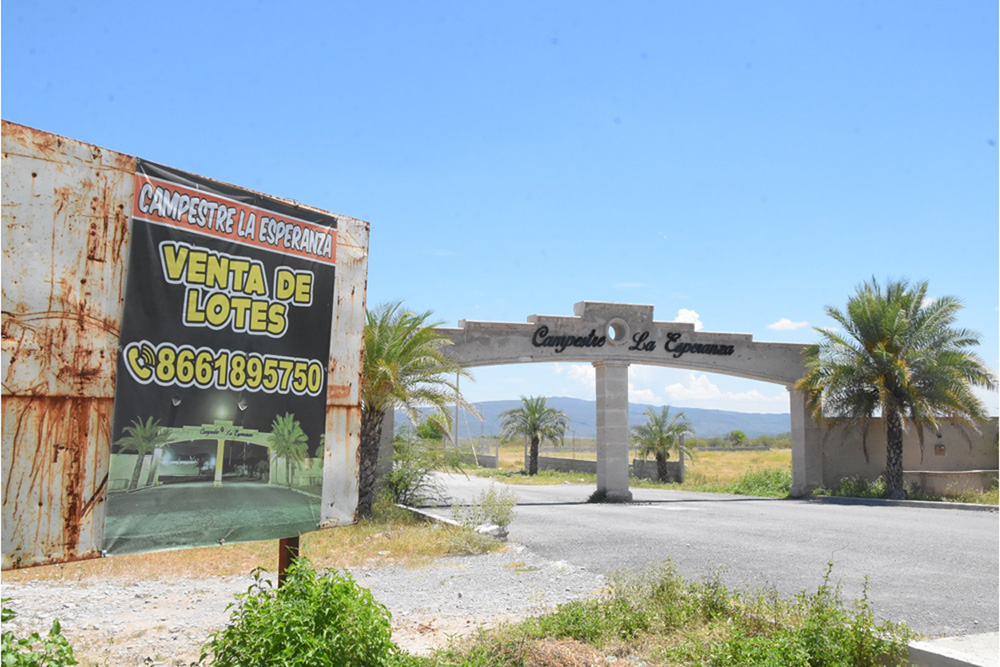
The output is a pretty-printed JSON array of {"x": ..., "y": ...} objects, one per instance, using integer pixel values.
[{"x": 936, "y": 569}]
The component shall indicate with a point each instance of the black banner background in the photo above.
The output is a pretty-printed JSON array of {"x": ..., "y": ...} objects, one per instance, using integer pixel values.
[{"x": 153, "y": 315}]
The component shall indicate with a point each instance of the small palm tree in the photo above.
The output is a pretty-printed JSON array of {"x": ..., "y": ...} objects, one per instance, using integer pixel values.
[
  {"x": 288, "y": 441},
  {"x": 142, "y": 438},
  {"x": 897, "y": 355},
  {"x": 660, "y": 435},
  {"x": 536, "y": 421},
  {"x": 405, "y": 366}
]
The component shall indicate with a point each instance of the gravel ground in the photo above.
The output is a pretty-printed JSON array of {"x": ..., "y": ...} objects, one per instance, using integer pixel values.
[{"x": 165, "y": 622}]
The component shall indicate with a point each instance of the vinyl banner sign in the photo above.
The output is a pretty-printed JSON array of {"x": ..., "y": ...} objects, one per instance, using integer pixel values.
[{"x": 220, "y": 402}]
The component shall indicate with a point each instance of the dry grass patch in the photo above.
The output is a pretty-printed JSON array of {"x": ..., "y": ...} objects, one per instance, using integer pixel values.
[
  {"x": 399, "y": 541},
  {"x": 564, "y": 653},
  {"x": 724, "y": 468}
]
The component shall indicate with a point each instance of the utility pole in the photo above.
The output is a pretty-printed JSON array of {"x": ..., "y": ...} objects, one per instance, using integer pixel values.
[{"x": 457, "y": 377}]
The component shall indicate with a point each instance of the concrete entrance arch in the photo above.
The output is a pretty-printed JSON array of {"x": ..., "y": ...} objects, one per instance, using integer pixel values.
[{"x": 612, "y": 336}]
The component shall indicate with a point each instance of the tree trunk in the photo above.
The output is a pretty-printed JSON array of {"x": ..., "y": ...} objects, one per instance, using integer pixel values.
[
  {"x": 136, "y": 471},
  {"x": 661, "y": 467},
  {"x": 288, "y": 471},
  {"x": 533, "y": 457},
  {"x": 371, "y": 435},
  {"x": 894, "y": 455}
]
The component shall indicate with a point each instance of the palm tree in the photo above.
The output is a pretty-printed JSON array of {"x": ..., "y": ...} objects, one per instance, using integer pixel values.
[
  {"x": 660, "y": 435},
  {"x": 288, "y": 441},
  {"x": 405, "y": 367},
  {"x": 897, "y": 355},
  {"x": 536, "y": 421},
  {"x": 142, "y": 437}
]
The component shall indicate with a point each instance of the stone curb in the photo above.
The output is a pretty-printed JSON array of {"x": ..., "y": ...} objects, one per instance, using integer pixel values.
[
  {"x": 882, "y": 502},
  {"x": 967, "y": 651},
  {"x": 430, "y": 515}
]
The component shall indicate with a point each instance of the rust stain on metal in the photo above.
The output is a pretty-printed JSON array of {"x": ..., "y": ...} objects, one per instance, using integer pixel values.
[
  {"x": 337, "y": 392},
  {"x": 65, "y": 235},
  {"x": 55, "y": 474}
]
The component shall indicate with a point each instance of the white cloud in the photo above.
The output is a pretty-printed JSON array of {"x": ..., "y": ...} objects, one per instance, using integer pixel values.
[
  {"x": 636, "y": 395},
  {"x": 581, "y": 375},
  {"x": 700, "y": 389},
  {"x": 785, "y": 324},
  {"x": 689, "y": 316}
]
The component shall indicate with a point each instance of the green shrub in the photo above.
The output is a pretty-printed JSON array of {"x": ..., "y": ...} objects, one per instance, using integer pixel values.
[
  {"x": 313, "y": 619},
  {"x": 465, "y": 541},
  {"x": 493, "y": 506},
  {"x": 659, "y": 616},
  {"x": 53, "y": 650},
  {"x": 855, "y": 487},
  {"x": 769, "y": 482},
  {"x": 411, "y": 481}
]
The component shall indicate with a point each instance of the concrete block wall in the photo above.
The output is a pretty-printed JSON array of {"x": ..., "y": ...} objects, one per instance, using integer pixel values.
[
  {"x": 482, "y": 460},
  {"x": 844, "y": 456},
  {"x": 644, "y": 469},
  {"x": 566, "y": 465}
]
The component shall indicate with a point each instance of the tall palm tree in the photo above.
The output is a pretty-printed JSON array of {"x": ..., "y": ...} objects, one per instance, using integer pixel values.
[
  {"x": 405, "y": 367},
  {"x": 288, "y": 441},
  {"x": 660, "y": 435},
  {"x": 898, "y": 355},
  {"x": 536, "y": 421},
  {"x": 142, "y": 438}
]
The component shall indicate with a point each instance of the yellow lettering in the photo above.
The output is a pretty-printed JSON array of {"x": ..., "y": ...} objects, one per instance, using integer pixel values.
[
  {"x": 192, "y": 311},
  {"x": 276, "y": 319},
  {"x": 196, "y": 265},
  {"x": 303, "y": 288},
  {"x": 284, "y": 284},
  {"x": 240, "y": 307},
  {"x": 217, "y": 272},
  {"x": 255, "y": 281},
  {"x": 258, "y": 317},
  {"x": 289, "y": 285},
  {"x": 174, "y": 259},
  {"x": 217, "y": 309}
]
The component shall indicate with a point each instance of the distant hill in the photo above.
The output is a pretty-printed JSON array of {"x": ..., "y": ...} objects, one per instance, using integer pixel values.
[{"x": 583, "y": 419}]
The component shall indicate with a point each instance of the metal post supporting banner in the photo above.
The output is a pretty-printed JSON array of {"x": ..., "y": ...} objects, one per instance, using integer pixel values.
[{"x": 288, "y": 551}]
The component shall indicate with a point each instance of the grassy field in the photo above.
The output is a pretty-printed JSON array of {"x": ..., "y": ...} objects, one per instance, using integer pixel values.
[
  {"x": 708, "y": 471},
  {"x": 766, "y": 473}
]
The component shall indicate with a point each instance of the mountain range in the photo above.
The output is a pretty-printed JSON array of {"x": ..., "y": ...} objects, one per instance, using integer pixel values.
[{"x": 583, "y": 419}]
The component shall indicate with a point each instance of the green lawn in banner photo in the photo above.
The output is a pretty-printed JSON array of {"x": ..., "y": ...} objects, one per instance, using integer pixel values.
[{"x": 200, "y": 514}]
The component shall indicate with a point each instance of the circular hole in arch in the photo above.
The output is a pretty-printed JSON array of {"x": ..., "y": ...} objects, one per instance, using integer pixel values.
[{"x": 617, "y": 331}]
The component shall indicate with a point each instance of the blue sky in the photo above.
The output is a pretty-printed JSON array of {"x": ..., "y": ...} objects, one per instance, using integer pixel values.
[{"x": 741, "y": 164}]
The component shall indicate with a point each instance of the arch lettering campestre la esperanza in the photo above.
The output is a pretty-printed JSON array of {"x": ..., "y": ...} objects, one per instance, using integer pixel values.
[{"x": 612, "y": 336}]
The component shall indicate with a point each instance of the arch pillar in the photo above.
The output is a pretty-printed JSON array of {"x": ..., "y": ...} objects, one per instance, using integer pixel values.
[
  {"x": 807, "y": 447},
  {"x": 612, "y": 430}
]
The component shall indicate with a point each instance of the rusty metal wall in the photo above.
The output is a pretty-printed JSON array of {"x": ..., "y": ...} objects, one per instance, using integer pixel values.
[
  {"x": 65, "y": 232},
  {"x": 66, "y": 208},
  {"x": 339, "y": 503}
]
